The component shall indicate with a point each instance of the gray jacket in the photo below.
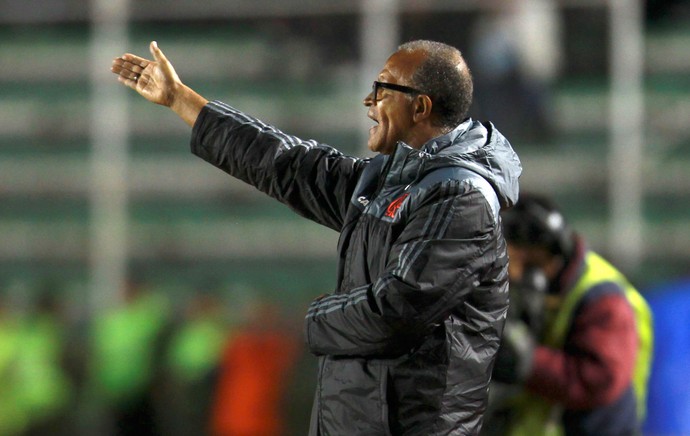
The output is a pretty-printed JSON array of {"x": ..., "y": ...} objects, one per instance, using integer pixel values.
[{"x": 407, "y": 340}]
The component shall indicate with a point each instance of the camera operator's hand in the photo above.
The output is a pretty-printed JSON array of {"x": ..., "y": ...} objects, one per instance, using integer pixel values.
[
  {"x": 514, "y": 360},
  {"x": 527, "y": 299}
]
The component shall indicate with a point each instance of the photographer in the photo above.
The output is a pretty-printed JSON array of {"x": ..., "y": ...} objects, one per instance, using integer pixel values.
[{"x": 576, "y": 350}]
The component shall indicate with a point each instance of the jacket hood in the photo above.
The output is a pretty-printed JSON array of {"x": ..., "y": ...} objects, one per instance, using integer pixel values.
[{"x": 481, "y": 148}]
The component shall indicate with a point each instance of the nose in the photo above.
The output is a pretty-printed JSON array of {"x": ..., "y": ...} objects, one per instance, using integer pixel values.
[{"x": 369, "y": 100}]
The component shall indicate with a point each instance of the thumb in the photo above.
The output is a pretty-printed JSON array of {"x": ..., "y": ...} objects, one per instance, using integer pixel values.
[
  {"x": 163, "y": 62},
  {"x": 157, "y": 53}
]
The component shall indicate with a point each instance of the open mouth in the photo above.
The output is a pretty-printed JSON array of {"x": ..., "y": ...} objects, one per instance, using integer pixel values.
[{"x": 376, "y": 123}]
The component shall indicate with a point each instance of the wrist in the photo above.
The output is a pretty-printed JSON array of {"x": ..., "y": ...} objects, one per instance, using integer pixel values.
[{"x": 186, "y": 103}]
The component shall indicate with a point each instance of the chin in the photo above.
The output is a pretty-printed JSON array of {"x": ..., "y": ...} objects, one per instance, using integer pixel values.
[
  {"x": 374, "y": 147},
  {"x": 378, "y": 147}
]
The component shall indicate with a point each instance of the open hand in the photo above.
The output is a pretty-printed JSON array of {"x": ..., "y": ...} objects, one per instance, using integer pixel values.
[{"x": 155, "y": 80}]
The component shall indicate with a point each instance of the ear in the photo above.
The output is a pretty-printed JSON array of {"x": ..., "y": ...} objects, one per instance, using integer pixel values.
[{"x": 422, "y": 108}]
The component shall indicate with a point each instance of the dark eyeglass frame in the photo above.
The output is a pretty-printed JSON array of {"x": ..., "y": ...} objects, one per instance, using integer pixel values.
[{"x": 393, "y": 87}]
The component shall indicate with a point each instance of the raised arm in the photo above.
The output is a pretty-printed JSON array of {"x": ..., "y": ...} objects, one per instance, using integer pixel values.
[{"x": 158, "y": 82}]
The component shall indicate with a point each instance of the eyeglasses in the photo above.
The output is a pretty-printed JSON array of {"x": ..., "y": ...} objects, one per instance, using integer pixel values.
[{"x": 393, "y": 87}]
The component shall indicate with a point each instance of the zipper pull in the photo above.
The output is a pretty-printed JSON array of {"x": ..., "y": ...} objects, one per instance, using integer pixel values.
[{"x": 420, "y": 168}]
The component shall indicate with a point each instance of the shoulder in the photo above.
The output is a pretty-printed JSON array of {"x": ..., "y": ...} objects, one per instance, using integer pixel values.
[
  {"x": 466, "y": 185},
  {"x": 606, "y": 303}
]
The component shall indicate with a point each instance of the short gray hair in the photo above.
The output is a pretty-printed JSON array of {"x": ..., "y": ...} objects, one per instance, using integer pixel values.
[{"x": 445, "y": 77}]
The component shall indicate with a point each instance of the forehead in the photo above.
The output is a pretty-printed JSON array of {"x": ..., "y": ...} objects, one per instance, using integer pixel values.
[
  {"x": 401, "y": 65},
  {"x": 529, "y": 254}
]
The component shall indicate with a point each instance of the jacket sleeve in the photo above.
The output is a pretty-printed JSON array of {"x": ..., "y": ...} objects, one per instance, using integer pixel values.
[
  {"x": 313, "y": 179},
  {"x": 597, "y": 364},
  {"x": 448, "y": 244}
]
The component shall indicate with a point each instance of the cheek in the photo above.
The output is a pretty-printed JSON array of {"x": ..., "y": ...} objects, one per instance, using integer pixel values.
[
  {"x": 515, "y": 269},
  {"x": 393, "y": 127},
  {"x": 516, "y": 264},
  {"x": 553, "y": 267},
  {"x": 383, "y": 130}
]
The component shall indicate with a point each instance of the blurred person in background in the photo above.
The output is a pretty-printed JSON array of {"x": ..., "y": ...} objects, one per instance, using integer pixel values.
[
  {"x": 192, "y": 361},
  {"x": 36, "y": 390},
  {"x": 46, "y": 384},
  {"x": 407, "y": 341},
  {"x": 256, "y": 364},
  {"x": 126, "y": 357},
  {"x": 577, "y": 346},
  {"x": 13, "y": 418},
  {"x": 516, "y": 53}
]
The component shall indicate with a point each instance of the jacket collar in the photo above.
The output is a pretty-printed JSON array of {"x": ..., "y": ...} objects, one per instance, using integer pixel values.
[
  {"x": 407, "y": 164},
  {"x": 440, "y": 142}
]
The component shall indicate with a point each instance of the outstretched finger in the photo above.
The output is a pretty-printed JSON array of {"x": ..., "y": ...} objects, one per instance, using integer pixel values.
[
  {"x": 126, "y": 70},
  {"x": 137, "y": 65},
  {"x": 135, "y": 60},
  {"x": 134, "y": 68},
  {"x": 117, "y": 65},
  {"x": 129, "y": 82}
]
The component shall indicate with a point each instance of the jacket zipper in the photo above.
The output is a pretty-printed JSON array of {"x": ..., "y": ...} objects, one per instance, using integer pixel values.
[{"x": 420, "y": 170}]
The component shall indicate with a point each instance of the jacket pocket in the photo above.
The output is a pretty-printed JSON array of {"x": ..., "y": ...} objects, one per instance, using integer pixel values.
[{"x": 353, "y": 398}]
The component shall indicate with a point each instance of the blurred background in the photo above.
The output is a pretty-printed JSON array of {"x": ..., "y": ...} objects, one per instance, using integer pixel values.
[{"x": 132, "y": 274}]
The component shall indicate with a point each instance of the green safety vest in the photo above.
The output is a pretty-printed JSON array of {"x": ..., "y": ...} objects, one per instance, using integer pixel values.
[
  {"x": 45, "y": 387},
  {"x": 124, "y": 346},
  {"x": 539, "y": 417},
  {"x": 196, "y": 349}
]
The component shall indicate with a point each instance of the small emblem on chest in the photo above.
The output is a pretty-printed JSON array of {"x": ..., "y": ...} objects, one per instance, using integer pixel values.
[{"x": 395, "y": 205}]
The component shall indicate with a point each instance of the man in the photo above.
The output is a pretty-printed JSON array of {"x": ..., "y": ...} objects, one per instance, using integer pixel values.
[
  {"x": 407, "y": 341},
  {"x": 587, "y": 373}
]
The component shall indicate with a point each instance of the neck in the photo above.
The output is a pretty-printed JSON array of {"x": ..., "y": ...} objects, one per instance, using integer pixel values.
[{"x": 426, "y": 134}]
